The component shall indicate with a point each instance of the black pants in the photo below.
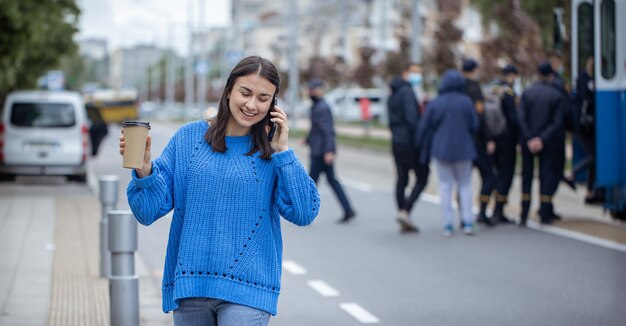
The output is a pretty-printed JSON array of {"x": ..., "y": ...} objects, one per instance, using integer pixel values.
[
  {"x": 550, "y": 172},
  {"x": 504, "y": 162},
  {"x": 318, "y": 166},
  {"x": 485, "y": 167},
  {"x": 407, "y": 160}
]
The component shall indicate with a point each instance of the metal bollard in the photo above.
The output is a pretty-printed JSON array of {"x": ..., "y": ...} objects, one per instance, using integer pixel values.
[
  {"x": 123, "y": 282},
  {"x": 108, "y": 201}
]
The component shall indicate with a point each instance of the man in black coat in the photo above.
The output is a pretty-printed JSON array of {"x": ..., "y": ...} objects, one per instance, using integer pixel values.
[
  {"x": 542, "y": 135},
  {"x": 404, "y": 115},
  {"x": 505, "y": 154},
  {"x": 484, "y": 145},
  {"x": 321, "y": 140}
]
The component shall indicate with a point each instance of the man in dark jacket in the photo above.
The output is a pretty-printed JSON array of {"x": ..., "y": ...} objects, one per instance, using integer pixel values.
[
  {"x": 542, "y": 134},
  {"x": 484, "y": 145},
  {"x": 404, "y": 114},
  {"x": 506, "y": 152},
  {"x": 321, "y": 140}
]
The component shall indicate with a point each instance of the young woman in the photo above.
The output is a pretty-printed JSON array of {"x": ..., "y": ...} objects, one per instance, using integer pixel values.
[{"x": 228, "y": 186}]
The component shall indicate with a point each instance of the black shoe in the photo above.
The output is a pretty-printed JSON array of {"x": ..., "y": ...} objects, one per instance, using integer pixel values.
[
  {"x": 346, "y": 218},
  {"x": 555, "y": 217},
  {"x": 522, "y": 224},
  {"x": 505, "y": 220},
  {"x": 570, "y": 183},
  {"x": 484, "y": 220}
]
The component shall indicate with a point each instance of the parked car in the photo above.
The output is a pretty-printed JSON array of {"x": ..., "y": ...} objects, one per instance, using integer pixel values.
[{"x": 44, "y": 133}]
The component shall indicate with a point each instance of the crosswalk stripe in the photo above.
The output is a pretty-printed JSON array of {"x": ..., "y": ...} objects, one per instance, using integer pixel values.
[
  {"x": 323, "y": 288},
  {"x": 359, "y": 313},
  {"x": 293, "y": 267}
]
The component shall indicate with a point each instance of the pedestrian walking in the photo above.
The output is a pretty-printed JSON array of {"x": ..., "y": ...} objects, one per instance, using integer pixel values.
[
  {"x": 227, "y": 184},
  {"x": 445, "y": 134},
  {"x": 542, "y": 136},
  {"x": 485, "y": 145},
  {"x": 556, "y": 63},
  {"x": 584, "y": 127},
  {"x": 321, "y": 140},
  {"x": 404, "y": 114},
  {"x": 505, "y": 153}
]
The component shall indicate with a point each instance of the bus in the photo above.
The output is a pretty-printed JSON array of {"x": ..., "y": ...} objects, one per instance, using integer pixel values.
[
  {"x": 598, "y": 31},
  {"x": 115, "y": 106}
]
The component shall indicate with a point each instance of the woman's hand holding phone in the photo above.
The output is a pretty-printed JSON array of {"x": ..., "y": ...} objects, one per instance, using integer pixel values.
[{"x": 280, "y": 139}]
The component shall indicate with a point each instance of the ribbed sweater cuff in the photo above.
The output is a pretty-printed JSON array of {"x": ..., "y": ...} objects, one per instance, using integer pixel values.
[
  {"x": 284, "y": 158},
  {"x": 145, "y": 182}
]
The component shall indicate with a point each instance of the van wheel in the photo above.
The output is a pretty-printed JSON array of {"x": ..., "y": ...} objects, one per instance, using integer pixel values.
[{"x": 80, "y": 178}]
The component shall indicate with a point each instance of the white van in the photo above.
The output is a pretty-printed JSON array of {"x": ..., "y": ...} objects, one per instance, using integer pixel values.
[
  {"x": 44, "y": 133},
  {"x": 344, "y": 103}
]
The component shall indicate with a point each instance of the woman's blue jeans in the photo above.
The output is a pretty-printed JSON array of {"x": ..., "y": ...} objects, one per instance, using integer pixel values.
[{"x": 210, "y": 312}]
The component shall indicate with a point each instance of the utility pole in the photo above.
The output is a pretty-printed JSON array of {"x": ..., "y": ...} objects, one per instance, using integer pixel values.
[
  {"x": 202, "y": 65},
  {"x": 189, "y": 61},
  {"x": 170, "y": 71},
  {"x": 293, "y": 61},
  {"x": 383, "y": 31},
  {"x": 416, "y": 31}
]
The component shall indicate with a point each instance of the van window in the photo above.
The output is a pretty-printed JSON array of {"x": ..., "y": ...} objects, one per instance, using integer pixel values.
[
  {"x": 608, "y": 61},
  {"x": 47, "y": 115}
]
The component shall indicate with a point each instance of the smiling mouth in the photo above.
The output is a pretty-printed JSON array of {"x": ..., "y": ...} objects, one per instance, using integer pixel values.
[{"x": 249, "y": 115}]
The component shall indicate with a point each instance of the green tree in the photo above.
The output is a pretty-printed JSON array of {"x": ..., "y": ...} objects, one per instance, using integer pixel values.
[
  {"x": 523, "y": 32},
  {"x": 34, "y": 36}
]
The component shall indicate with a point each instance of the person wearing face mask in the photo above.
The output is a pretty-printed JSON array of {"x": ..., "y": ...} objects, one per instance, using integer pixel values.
[
  {"x": 321, "y": 140},
  {"x": 404, "y": 114}
]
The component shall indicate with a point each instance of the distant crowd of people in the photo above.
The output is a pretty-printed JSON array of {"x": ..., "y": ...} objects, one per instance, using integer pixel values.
[{"x": 468, "y": 126}]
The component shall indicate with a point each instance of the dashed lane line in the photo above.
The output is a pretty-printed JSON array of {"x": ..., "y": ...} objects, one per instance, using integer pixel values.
[
  {"x": 359, "y": 313},
  {"x": 293, "y": 267},
  {"x": 323, "y": 288}
]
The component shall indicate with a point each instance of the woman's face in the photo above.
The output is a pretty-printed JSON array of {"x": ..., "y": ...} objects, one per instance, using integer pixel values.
[{"x": 249, "y": 101}]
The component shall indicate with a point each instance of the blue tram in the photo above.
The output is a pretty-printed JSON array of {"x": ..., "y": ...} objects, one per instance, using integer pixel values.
[{"x": 599, "y": 30}]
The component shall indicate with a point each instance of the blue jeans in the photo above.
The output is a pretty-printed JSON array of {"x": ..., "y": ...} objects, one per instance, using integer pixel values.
[{"x": 209, "y": 312}]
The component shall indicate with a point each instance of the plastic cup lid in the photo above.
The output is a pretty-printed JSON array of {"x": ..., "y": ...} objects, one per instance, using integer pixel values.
[{"x": 135, "y": 124}]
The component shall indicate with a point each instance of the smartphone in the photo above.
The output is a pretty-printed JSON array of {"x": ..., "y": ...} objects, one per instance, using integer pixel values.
[{"x": 270, "y": 134}]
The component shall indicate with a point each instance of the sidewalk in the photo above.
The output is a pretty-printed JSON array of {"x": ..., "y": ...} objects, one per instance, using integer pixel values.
[{"x": 49, "y": 275}]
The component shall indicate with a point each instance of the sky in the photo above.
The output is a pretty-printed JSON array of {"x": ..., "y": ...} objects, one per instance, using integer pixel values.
[{"x": 128, "y": 22}]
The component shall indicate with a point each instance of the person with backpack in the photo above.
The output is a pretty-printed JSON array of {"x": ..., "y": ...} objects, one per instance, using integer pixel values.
[
  {"x": 482, "y": 141},
  {"x": 506, "y": 143}
]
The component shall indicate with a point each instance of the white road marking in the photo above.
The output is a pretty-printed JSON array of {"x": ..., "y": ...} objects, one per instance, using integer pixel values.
[
  {"x": 577, "y": 236},
  {"x": 323, "y": 288},
  {"x": 359, "y": 313},
  {"x": 357, "y": 184},
  {"x": 293, "y": 267}
]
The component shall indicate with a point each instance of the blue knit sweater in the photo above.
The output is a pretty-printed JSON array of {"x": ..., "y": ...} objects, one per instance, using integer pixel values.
[{"x": 225, "y": 239}]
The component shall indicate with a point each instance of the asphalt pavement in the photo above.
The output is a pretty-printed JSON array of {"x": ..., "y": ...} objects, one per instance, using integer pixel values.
[{"x": 362, "y": 272}]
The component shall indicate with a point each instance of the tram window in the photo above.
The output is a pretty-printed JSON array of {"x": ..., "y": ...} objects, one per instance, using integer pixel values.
[
  {"x": 607, "y": 35},
  {"x": 585, "y": 34}
]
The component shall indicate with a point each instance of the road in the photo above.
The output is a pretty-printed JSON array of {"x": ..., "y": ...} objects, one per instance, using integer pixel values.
[{"x": 366, "y": 272}]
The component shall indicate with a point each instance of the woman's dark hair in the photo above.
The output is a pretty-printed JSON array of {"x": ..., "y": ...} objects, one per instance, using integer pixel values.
[{"x": 216, "y": 134}]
